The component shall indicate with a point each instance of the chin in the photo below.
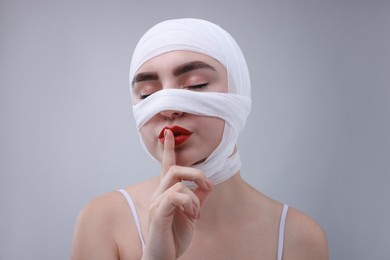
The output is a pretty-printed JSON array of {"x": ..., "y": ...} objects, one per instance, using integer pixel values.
[
  {"x": 185, "y": 163},
  {"x": 188, "y": 162}
]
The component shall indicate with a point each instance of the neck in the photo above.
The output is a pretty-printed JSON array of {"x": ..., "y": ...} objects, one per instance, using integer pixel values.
[{"x": 226, "y": 202}]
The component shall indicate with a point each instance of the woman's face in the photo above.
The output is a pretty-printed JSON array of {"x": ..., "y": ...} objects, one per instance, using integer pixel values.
[{"x": 195, "y": 136}]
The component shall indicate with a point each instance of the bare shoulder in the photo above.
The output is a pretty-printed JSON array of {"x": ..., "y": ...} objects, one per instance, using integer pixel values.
[
  {"x": 143, "y": 190},
  {"x": 105, "y": 209},
  {"x": 101, "y": 210},
  {"x": 304, "y": 238},
  {"x": 104, "y": 220},
  {"x": 94, "y": 235}
]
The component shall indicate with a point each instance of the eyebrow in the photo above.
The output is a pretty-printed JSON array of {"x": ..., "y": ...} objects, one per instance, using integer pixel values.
[
  {"x": 179, "y": 70},
  {"x": 144, "y": 76},
  {"x": 190, "y": 66}
]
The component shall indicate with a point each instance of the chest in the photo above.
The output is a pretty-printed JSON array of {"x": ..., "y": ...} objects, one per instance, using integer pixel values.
[{"x": 235, "y": 243}]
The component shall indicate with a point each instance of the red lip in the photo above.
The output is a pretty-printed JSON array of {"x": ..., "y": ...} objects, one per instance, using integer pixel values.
[{"x": 181, "y": 134}]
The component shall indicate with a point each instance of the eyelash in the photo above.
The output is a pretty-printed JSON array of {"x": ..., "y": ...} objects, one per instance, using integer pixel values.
[
  {"x": 191, "y": 87},
  {"x": 198, "y": 86},
  {"x": 144, "y": 96}
]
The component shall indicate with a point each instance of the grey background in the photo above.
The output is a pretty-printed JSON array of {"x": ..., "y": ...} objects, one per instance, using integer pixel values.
[{"x": 317, "y": 139}]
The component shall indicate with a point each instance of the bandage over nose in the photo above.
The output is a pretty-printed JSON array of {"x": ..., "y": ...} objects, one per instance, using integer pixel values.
[
  {"x": 233, "y": 107},
  {"x": 221, "y": 164}
]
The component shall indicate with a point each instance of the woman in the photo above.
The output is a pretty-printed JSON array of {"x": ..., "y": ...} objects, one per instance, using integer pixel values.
[{"x": 191, "y": 95}]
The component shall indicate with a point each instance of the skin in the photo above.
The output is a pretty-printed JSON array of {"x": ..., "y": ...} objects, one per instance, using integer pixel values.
[
  {"x": 231, "y": 220},
  {"x": 206, "y": 130}
]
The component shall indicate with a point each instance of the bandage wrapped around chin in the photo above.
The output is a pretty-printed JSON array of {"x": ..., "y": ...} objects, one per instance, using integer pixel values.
[{"x": 233, "y": 107}]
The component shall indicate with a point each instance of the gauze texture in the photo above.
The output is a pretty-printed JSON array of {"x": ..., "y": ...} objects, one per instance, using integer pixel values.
[{"x": 207, "y": 38}]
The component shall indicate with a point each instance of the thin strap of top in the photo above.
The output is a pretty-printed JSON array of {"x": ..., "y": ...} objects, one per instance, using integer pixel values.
[
  {"x": 135, "y": 215},
  {"x": 281, "y": 231},
  {"x": 138, "y": 225}
]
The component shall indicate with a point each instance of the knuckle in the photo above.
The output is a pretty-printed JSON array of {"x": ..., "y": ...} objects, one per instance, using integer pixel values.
[
  {"x": 171, "y": 197},
  {"x": 179, "y": 186},
  {"x": 187, "y": 200},
  {"x": 198, "y": 174},
  {"x": 174, "y": 169},
  {"x": 175, "y": 173}
]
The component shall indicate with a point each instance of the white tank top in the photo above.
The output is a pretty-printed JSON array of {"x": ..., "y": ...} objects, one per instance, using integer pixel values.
[{"x": 138, "y": 224}]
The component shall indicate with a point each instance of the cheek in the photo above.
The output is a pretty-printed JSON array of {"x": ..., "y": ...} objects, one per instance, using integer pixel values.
[
  {"x": 213, "y": 130},
  {"x": 220, "y": 126},
  {"x": 148, "y": 137}
]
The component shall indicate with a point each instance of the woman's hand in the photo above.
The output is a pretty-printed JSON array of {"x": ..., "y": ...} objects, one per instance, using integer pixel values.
[{"x": 174, "y": 208}]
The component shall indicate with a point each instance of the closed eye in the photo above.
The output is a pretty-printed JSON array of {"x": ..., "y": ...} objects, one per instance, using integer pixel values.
[
  {"x": 198, "y": 86},
  {"x": 144, "y": 96}
]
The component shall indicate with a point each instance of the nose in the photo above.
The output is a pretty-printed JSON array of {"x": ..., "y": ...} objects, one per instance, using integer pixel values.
[{"x": 171, "y": 114}]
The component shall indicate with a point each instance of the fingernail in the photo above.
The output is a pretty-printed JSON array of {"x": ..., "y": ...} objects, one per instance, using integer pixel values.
[{"x": 165, "y": 133}]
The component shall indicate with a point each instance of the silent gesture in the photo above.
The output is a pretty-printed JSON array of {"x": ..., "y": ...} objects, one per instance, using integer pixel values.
[{"x": 174, "y": 208}]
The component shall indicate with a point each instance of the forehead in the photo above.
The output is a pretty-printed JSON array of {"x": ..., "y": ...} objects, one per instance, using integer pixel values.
[{"x": 167, "y": 61}]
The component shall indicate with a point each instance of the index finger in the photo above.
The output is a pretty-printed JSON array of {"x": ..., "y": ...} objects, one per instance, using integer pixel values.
[{"x": 169, "y": 156}]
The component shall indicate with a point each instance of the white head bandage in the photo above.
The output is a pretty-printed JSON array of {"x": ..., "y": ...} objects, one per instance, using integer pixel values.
[{"x": 233, "y": 107}]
